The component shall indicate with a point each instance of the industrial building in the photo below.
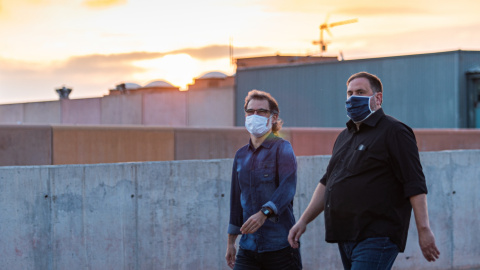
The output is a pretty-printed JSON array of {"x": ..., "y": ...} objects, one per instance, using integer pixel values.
[
  {"x": 435, "y": 90},
  {"x": 155, "y": 104},
  {"x": 436, "y": 94}
]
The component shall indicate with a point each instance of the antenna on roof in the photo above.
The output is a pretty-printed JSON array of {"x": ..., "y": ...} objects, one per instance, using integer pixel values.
[
  {"x": 230, "y": 47},
  {"x": 326, "y": 27}
]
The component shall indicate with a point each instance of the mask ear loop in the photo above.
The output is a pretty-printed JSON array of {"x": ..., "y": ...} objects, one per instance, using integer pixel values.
[{"x": 370, "y": 103}]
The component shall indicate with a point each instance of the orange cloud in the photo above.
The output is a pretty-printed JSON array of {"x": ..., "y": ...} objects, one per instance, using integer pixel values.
[
  {"x": 90, "y": 75},
  {"x": 345, "y": 7},
  {"x": 219, "y": 51},
  {"x": 379, "y": 10},
  {"x": 210, "y": 52},
  {"x": 103, "y": 3},
  {"x": 121, "y": 63}
]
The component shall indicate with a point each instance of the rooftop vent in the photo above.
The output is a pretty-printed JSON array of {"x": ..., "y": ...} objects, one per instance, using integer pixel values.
[{"x": 63, "y": 92}]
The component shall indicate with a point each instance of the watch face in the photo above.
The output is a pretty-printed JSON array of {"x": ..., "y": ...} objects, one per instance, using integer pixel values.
[{"x": 266, "y": 212}]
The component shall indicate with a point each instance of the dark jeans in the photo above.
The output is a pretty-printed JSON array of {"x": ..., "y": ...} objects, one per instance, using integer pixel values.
[
  {"x": 284, "y": 259},
  {"x": 372, "y": 253}
]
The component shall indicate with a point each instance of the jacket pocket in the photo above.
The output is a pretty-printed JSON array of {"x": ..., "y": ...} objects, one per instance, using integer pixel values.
[
  {"x": 265, "y": 172},
  {"x": 362, "y": 160}
]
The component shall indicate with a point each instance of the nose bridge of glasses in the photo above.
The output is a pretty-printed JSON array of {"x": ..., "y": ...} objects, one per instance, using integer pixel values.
[{"x": 261, "y": 112}]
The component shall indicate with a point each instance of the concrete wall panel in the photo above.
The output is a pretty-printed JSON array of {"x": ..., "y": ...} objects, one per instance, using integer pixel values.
[
  {"x": 110, "y": 217},
  {"x": 81, "y": 111},
  {"x": 320, "y": 141},
  {"x": 165, "y": 109},
  {"x": 447, "y": 139},
  {"x": 87, "y": 145},
  {"x": 170, "y": 224},
  {"x": 465, "y": 209},
  {"x": 42, "y": 112},
  {"x": 26, "y": 237},
  {"x": 437, "y": 169},
  {"x": 11, "y": 113},
  {"x": 121, "y": 110},
  {"x": 212, "y": 107},
  {"x": 307, "y": 142},
  {"x": 25, "y": 145},
  {"x": 315, "y": 252},
  {"x": 69, "y": 217},
  {"x": 34, "y": 145},
  {"x": 198, "y": 143},
  {"x": 174, "y": 215}
]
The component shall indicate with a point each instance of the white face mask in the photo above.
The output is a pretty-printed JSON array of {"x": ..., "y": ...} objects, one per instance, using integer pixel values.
[{"x": 258, "y": 125}]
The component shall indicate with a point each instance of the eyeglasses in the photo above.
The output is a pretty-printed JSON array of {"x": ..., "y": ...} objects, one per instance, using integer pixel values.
[{"x": 261, "y": 112}]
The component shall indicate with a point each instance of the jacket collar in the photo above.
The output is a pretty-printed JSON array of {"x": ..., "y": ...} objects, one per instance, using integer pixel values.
[
  {"x": 371, "y": 121},
  {"x": 267, "y": 143}
]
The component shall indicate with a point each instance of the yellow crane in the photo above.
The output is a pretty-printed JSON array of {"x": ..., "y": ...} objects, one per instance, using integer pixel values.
[{"x": 326, "y": 27}]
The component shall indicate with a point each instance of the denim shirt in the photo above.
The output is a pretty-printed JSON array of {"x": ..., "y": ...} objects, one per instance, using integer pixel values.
[{"x": 264, "y": 177}]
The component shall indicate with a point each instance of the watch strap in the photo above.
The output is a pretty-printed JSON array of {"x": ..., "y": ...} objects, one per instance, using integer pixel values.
[{"x": 267, "y": 212}]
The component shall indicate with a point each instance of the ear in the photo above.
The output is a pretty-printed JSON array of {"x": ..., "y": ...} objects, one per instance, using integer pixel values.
[
  {"x": 379, "y": 99},
  {"x": 274, "y": 118}
]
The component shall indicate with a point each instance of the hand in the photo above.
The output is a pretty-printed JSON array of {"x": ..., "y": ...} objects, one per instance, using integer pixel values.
[
  {"x": 230, "y": 256},
  {"x": 426, "y": 240},
  {"x": 253, "y": 223},
  {"x": 295, "y": 233}
]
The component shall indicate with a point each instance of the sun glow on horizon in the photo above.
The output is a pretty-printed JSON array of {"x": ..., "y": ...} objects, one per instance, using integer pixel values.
[
  {"x": 93, "y": 45},
  {"x": 177, "y": 69}
]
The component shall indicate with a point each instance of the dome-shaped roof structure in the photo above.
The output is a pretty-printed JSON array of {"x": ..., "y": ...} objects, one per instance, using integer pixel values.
[
  {"x": 213, "y": 74},
  {"x": 132, "y": 86},
  {"x": 159, "y": 83}
]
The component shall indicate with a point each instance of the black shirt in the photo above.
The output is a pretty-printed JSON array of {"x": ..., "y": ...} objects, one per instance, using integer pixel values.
[{"x": 369, "y": 179}]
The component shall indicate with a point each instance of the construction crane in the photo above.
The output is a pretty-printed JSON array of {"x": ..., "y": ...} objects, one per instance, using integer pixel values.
[{"x": 326, "y": 27}]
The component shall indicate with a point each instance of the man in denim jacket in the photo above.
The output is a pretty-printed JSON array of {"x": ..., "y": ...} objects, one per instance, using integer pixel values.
[{"x": 264, "y": 179}]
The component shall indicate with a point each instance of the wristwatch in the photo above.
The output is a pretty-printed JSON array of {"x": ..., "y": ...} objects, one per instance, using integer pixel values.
[{"x": 266, "y": 212}]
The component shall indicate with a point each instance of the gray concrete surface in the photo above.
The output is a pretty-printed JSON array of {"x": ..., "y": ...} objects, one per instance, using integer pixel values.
[
  {"x": 47, "y": 112},
  {"x": 25, "y": 145},
  {"x": 211, "y": 107},
  {"x": 174, "y": 215}
]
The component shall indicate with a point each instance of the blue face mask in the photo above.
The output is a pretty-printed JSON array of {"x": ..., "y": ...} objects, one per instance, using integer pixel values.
[{"x": 358, "y": 108}]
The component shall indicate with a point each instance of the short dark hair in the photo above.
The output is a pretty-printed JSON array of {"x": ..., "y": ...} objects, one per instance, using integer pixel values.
[
  {"x": 272, "y": 104},
  {"x": 374, "y": 81}
]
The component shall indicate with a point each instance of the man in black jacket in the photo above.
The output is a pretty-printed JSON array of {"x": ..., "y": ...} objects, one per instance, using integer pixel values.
[{"x": 372, "y": 182}]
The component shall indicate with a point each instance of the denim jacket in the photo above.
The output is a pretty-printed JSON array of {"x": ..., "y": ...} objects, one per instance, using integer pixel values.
[{"x": 264, "y": 177}]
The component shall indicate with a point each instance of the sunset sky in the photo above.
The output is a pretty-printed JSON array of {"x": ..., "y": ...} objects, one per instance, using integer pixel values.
[{"x": 93, "y": 45}]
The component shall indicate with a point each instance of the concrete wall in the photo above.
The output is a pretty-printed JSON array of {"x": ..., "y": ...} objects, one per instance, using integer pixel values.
[
  {"x": 11, "y": 113},
  {"x": 447, "y": 139},
  {"x": 168, "y": 108},
  {"x": 121, "y": 110},
  {"x": 81, "y": 111},
  {"x": 42, "y": 112},
  {"x": 212, "y": 107},
  {"x": 198, "y": 143},
  {"x": 174, "y": 215},
  {"x": 101, "y": 144},
  {"x": 25, "y": 145},
  {"x": 309, "y": 141},
  {"x": 62, "y": 144}
]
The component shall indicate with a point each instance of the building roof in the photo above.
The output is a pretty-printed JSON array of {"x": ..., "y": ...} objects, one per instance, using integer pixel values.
[
  {"x": 159, "y": 83},
  {"x": 132, "y": 86},
  {"x": 213, "y": 74}
]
